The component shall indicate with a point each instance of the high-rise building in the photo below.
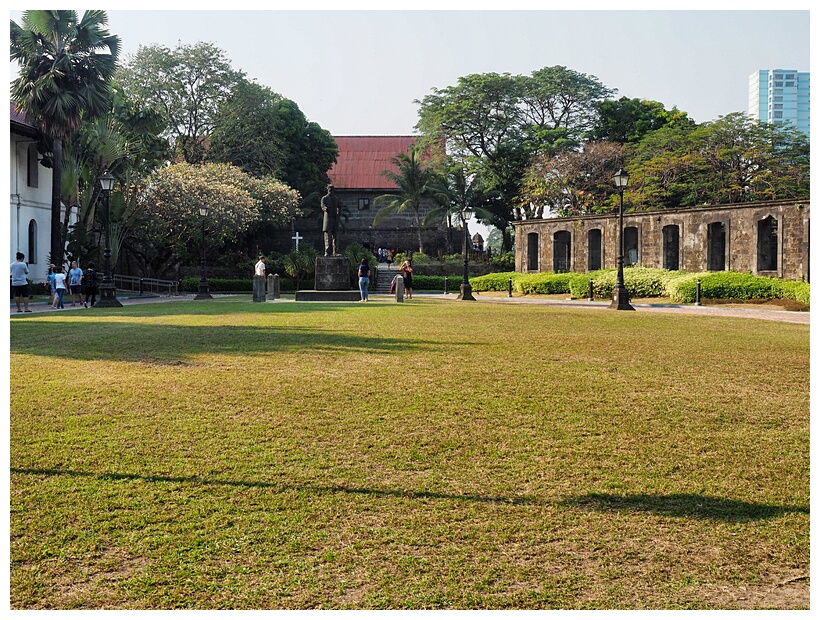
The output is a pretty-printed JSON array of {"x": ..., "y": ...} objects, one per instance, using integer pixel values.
[{"x": 780, "y": 95}]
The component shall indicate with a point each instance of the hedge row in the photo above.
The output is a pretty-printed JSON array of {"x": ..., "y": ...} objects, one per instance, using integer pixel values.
[{"x": 645, "y": 282}]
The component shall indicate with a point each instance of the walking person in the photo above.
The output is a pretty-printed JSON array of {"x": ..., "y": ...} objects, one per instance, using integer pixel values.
[
  {"x": 59, "y": 288},
  {"x": 75, "y": 283},
  {"x": 19, "y": 282},
  {"x": 364, "y": 279},
  {"x": 407, "y": 274},
  {"x": 389, "y": 258},
  {"x": 90, "y": 285},
  {"x": 52, "y": 294}
]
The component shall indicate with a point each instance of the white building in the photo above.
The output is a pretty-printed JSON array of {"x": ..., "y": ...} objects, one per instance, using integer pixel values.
[
  {"x": 30, "y": 205},
  {"x": 780, "y": 95}
]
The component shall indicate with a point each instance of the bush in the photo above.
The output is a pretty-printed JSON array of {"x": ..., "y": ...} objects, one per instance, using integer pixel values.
[
  {"x": 494, "y": 281},
  {"x": 505, "y": 262}
]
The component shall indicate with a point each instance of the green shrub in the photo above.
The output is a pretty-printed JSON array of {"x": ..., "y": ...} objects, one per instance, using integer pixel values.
[
  {"x": 505, "y": 262},
  {"x": 543, "y": 283},
  {"x": 799, "y": 291},
  {"x": 494, "y": 281}
]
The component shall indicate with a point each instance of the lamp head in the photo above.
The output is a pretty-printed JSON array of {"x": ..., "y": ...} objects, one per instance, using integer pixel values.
[{"x": 106, "y": 180}]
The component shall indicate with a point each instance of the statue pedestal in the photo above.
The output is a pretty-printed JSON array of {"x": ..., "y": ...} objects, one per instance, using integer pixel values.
[
  {"x": 332, "y": 281},
  {"x": 332, "y": 273}
]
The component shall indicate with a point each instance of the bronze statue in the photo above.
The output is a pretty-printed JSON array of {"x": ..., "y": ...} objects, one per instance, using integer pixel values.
[{"x": 330, "y": 224}]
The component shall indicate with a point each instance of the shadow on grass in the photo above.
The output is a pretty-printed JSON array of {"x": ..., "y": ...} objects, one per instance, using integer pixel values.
[
  {"x": 173, "y": 344},
  {"x": 278, "y": 486},
  {"x": 682, "y": 505}
]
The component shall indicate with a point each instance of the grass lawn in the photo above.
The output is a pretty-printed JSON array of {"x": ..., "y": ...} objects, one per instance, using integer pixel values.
[{"x": 431, "y": 454}]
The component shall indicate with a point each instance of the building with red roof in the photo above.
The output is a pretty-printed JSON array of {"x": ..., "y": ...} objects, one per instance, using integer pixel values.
[{"x": 358, "y": 179}]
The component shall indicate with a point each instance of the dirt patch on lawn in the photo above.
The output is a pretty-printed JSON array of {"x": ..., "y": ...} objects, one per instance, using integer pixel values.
[{"x": 790, "y": 593}]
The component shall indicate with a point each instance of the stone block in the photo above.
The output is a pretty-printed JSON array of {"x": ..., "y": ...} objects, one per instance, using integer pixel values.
[{"x": 332, "y": 273}]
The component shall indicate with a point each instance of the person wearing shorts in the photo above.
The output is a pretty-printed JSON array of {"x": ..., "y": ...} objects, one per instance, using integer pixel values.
[
  {"x": 75, "y": 283},
  {"x": 19, "y": 282}
]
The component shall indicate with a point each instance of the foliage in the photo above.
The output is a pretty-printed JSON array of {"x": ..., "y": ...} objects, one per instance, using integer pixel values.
[
  {"x": 731, "y": 160},
  {"x": 736, "y": 285},
  {"x": 355, "y": 252},
  {"x": 301, "y": 264},
  {"x": 413, "y": 180},
  {"x": 495, "y": 123},
  {"x": 169, "y": 210},
  {"x": 65, "y": 65},
  {"x": 187, "y": 84},
  {"x": 571, "y": 183},
  {"x": 505, "y": 262},
  {"x": 629, "y": 120},
  {"x": 265, "y": 134}
]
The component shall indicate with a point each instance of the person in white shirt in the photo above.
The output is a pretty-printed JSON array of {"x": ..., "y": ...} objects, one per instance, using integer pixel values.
[
  {"x": 259, "y": 268},
  {"x": 59, "y": 288}
]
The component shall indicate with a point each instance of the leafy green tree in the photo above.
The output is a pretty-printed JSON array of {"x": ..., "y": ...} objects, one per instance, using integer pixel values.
[
  {"x": 572, "y": 183},
  {"x": 187, "y": 84},
  {"x": 413, "y": 181},
  {"x": 629, "y": 120},
  {"x": 494, "y": 124},
  {"x": 169, "y": 220},
  {"x": 733, "y": 159},
  {"x": 65, "y": 65},
  {"x": 265, "y": 134}
]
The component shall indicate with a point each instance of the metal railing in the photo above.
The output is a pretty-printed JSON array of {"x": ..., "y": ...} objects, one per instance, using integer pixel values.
[{"x": 146, "y": 285}]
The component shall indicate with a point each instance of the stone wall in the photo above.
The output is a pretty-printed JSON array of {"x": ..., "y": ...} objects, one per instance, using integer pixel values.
[{"x": 726, "y": 237}]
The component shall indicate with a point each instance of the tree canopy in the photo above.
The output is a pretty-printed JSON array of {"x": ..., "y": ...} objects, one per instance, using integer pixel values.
[
  {"x": 188, "y": 84},
  {"x": 266, "y": 134}
]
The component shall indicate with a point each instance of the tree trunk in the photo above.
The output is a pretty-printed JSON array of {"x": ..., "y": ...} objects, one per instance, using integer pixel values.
[{"x": 56, "y": 193}]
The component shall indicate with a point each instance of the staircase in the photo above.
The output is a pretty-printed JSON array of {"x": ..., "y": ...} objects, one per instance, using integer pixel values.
[{"x": 384, "y": 278}]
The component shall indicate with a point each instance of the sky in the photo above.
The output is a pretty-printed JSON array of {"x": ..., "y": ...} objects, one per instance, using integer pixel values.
[{"x": 358, "y": 72}]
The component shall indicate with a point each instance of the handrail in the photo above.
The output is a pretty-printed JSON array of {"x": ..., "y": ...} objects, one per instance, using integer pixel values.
[{"x": 146, "y": 285}]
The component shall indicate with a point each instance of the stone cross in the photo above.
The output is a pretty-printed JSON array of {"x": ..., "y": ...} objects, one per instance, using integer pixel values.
[{"x": 297, "y": 237}]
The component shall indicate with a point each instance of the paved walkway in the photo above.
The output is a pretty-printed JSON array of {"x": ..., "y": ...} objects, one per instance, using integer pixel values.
[{"x": 750, "y": 312}]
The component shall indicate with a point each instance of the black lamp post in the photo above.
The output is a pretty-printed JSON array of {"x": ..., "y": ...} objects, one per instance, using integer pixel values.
[
  {"x": 203, "y": 280},
  {"x": 466, "y": 291},
  {"x": 620, "y": 296},
  {"x": 108, "y": 291}
]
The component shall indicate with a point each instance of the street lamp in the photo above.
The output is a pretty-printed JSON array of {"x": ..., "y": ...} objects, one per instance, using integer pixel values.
[
  {"x": 203, "y": 281},
  {"x": 620, "y": 296},
  {"x": 108, "y": 291},
  {"x": 466, "y": 291}
]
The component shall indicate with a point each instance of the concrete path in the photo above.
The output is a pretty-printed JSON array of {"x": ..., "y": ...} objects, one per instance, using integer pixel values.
[{"x": 750, "y": 312}]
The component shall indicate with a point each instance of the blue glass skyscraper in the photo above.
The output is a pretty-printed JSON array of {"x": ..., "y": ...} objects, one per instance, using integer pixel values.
[{"x": 780, "y": 95}]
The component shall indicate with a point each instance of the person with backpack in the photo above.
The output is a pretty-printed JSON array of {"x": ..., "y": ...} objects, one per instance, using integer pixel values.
[{"x": 90, "y": 285}]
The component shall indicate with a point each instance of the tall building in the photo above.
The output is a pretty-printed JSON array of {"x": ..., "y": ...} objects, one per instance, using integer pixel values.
[{"x": 780, "y": 95}]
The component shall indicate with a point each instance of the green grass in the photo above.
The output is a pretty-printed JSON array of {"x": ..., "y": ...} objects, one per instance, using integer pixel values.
[{"x": 430, "y": 454}]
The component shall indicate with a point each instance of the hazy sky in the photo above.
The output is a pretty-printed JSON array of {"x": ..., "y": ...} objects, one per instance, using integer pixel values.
[{"x": 357, "y": 72}]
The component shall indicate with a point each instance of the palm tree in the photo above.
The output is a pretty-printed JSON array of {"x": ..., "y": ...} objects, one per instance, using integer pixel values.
[
  {"x": 65, "y": 65},
  {"x": 301, "y": 263},
  {"x": 412, "y": 181},
  {"x": 455, "y": 191}
]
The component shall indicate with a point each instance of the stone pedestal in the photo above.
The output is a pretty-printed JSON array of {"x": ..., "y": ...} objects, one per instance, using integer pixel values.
[
  {"x": 259, "y": 288},
  {"x": 399, "y": 288},
  {"x": 273, "y": 287},
  {"x": 332, "y": 273},
  {"x": 332, "y": 281}
]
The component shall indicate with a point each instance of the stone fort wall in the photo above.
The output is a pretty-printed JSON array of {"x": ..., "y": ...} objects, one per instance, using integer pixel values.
[{"x": 764, "y": 238}]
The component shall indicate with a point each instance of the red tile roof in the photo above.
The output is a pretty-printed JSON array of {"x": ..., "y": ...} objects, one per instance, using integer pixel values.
[{"x": 362, "y": 158}]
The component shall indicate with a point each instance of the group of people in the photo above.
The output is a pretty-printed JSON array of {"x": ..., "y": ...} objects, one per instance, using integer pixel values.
[
  {"x": 75, "y": 282},
  {"x": 385, "y": 255}
]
